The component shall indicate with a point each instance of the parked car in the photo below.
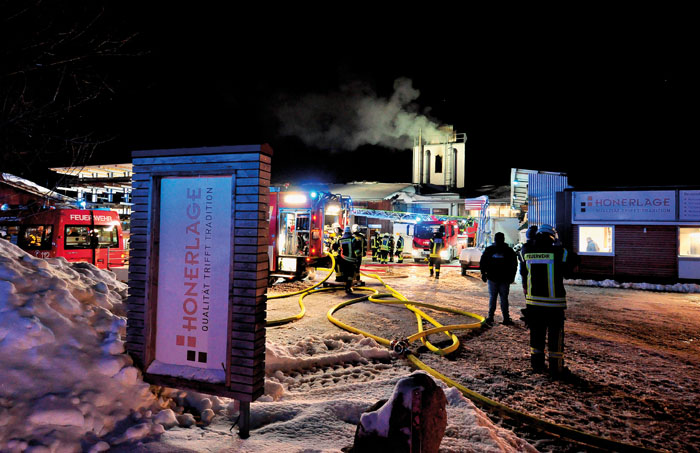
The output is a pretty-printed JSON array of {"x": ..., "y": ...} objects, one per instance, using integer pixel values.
[{"x": 469, "y": 258}]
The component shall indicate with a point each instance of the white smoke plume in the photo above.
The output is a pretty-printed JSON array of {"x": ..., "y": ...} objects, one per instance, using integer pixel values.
[{"x": 356, "y": 116}]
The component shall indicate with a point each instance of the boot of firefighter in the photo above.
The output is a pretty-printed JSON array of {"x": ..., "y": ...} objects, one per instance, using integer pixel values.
[
  {"x": 348, "y": 286},
  {"x": 537, "y": 361},
  {"x": 556, "y": 364},
  {"x": 430, "y": 268}
]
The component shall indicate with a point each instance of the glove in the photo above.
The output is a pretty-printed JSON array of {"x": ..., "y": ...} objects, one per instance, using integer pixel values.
[{"x": 483, "y": 277}]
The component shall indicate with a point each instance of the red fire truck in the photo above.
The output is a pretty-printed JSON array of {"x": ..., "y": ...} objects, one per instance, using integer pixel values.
[
  {"x": 424, "y": 231},
  {"x": 298, "y": 223},
  {"x": 94, "y": 236}
]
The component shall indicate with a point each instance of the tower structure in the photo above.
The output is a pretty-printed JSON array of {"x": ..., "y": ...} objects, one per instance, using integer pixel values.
[{"x": 440, "y": 158}]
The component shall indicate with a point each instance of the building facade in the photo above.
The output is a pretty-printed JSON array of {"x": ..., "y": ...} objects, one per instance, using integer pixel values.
[{"x": 641, "y": 234}]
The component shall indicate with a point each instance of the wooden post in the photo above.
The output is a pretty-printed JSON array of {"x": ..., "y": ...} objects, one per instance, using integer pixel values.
[{"x": 244, "y": 420}]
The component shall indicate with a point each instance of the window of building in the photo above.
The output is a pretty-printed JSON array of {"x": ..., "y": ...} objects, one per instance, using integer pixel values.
[
  {"x": 689, "y": 241},
  {"x": 595, "y": 240},
  {"x": 438, "y": 163},
  {"x": 35, "y": 237}
]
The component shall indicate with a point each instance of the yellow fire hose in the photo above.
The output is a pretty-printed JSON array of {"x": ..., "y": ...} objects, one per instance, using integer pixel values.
[{"x": 482, "y": 401}]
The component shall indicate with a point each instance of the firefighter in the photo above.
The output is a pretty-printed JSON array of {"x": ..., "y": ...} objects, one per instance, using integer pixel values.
[
  {"x": 437, "y": 243},
  {"x": 362, "y": 243},
  {"x": 384, "y": 249},
  {"x": 374, "y": 245},
  {"x": 335, "y": 251},
  {"x": 391, "y": 248},
  {"x": 350, "y": 249},
  {"x": 545, "y": 264},
  {"x": 399, "y": 248}
]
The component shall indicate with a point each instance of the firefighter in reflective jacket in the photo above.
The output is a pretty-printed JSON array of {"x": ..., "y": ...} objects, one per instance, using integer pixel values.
[
  {"x": 399, "y": 248},
  {"x": 437, "y": 243},
  {"x": 374, "y": 245},
  {"x": 544, "y": 266},
  {"x": 350, "y": 249},
  {"x": 384, "y": 249},
  {"x": 362, "y": 243}
]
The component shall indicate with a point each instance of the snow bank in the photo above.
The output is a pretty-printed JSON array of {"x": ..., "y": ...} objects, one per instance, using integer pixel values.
[
  {"x": 65, "y": 378},
  {"x": 675, "y": 288},
  {"x": 324, "y": 351}
]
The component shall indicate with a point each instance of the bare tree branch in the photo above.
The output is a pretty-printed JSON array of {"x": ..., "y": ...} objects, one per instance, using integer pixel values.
[{"x": 58, "y": 62}]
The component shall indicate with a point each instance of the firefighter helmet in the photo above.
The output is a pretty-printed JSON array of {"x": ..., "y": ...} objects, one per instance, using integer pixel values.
[
  {"x": 547, "y": 231},
  {"x": 355, "y": 228}
]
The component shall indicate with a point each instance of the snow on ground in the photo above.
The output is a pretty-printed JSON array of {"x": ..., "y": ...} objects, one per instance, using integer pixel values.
[{"x": 66, "y": 384}]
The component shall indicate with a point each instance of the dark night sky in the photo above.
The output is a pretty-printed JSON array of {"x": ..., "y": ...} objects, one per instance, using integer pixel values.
[{"x": 599, "y": 99}]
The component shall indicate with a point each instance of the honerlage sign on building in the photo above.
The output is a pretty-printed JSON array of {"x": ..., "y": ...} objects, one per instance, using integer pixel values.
[{"x": 627, "y": 206}]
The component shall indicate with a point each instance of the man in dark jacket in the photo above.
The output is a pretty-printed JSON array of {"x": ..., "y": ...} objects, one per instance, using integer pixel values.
[
  {"x": 499, "y": 264},
  {"x": 546, "y": 263}
]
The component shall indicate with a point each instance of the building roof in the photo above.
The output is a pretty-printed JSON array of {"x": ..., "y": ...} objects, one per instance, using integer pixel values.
[{"x": 31, "y": 187}]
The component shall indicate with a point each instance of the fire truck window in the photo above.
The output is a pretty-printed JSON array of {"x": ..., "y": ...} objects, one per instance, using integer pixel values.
[
  {"x": 9, "y": 233},
  {"x": 77, "y": 237},
  {"x": 35, "y": 237},
  {"x": 106, "y": 236}
]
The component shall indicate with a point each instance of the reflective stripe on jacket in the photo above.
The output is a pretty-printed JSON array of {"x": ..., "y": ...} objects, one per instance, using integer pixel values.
[
  {"x": 436, "y": 245},
  {"x": 544, "y": 270},
  {"x": 350, "y": 248},
  {"x": 384, "y": 244}
]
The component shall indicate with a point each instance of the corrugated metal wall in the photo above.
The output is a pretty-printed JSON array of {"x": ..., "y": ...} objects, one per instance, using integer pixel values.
[{"x": 542, "y": 198}]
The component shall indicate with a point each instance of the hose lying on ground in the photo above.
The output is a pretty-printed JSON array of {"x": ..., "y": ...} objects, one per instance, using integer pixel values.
[{"x": 480, "y": 400}]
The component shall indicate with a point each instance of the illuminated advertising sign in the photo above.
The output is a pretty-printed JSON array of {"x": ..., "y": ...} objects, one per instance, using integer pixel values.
[
  {"x": 193, "y": 272},
  {"x": 631, "y": 206}
]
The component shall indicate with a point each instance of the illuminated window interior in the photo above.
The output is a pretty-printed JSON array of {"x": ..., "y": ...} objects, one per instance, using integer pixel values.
[
  {"x": 689, "y": 242},
  {"x": 595, "y": 239}
]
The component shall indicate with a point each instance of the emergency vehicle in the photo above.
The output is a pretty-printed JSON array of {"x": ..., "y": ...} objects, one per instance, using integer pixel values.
[
  {"x": 424, "y": 231},
  {"x": 94, "y": 236},
  {"x": 298, "y": 222}
]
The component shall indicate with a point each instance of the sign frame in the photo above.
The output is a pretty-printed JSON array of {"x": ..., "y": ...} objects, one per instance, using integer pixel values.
[{"x": 248, "y": 168}]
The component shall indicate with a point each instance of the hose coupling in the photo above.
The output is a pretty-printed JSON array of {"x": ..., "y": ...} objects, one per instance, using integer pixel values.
[{"x": 399, "y": 346}]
